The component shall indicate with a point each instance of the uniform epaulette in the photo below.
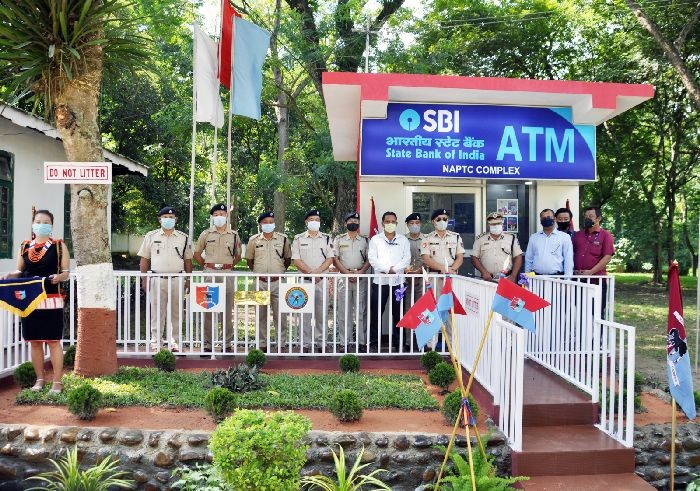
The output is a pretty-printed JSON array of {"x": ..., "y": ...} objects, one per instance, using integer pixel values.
[{"x": 481, "y": 235}]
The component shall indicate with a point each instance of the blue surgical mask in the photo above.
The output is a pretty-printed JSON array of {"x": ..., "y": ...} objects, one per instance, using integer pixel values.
[
  {"x": 267, "y": 228},
  {"x": 42, "y": 229},
  {"x": 167, "y": 223}
]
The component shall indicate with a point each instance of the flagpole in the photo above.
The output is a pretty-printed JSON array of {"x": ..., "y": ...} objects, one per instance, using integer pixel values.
[
  {"x": 673, "y": 442},
  {"x": 214, "y": 162},
  {"x": 194, "y": 127},
  {"x": 230, "y": 125}
]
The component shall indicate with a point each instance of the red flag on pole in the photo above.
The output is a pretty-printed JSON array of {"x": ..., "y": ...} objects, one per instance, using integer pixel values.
[
  {"x": 571, "y": 225},
  {"x": 373, "y": 227},
  {"x": 226, "y": 42}
]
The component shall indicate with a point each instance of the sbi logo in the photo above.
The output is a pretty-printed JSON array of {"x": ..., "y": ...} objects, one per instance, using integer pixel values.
[{"x": 442, "y": 120}]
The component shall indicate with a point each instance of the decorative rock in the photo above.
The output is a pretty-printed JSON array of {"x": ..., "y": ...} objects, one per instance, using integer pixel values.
[
  {"x": 31, "y": 434},
  {"x": 149, "y": 486},
  {"x": 666, "y": 445},
  {"x": 422, "y": 441},
  {"x": 154, "y": 438},
  {"x": 691, "y": 443},
  {"x": 189, "y": 456},
  {"x": 346, "y": 439},
  {"x": 174, "y": 441},
  {"x": 163, "y": 477},
  {"x": 401, "y": 443},
  {"x": 365, "y": 439},
  {"x": 402, "y": 458},
  {"x": 197, "y": 440},
  {"x": 34, "y": 454},
  {"x": 442, "y": 440},
  {"x": 663, "y": 459},
  {"x": 140, "y": 477},
  {"x": 657, "y": 474},
  {"x": 322, "y": 440},
  {"x": 85, "y": 435},
  {"x": 13, "y": 433},
  {"x": 49, "y": 435},
  {"x": 694, "y": 460},
  {"x": 428, "y": 475},
  {"x": 7, "y": 471},
  {"x": 108, "y": 435},
  {"x": 9, "y": 449},
  {"x": 496, "y": 440},
  {"x": 422, "y": 458},
  {"x": 131, "y": 437},
  {"x": 461, "y": 441},
  {"x": 325, "y": 455},
  {"x": 384, "y": 459},
  {"x": 368, "y": 456},
  {"x": 70, "y": 435},
  {"x": 381, "y": 442},
  {"x": 163, "y": 459},
  {"x": 641, "y": 459}
]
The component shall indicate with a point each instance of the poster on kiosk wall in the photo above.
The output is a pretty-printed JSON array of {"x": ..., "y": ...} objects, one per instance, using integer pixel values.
[{"x": 478, "y": 141}]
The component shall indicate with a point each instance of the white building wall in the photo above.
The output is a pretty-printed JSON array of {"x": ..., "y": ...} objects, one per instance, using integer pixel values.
[
  {"x": 554, "y": 195},
  {"x": 388, "y": 196}
]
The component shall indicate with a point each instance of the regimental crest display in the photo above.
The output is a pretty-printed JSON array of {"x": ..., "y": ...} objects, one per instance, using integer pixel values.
[
  {"x": 208, "y": 297},
  {"x": 296, "y": 298}
]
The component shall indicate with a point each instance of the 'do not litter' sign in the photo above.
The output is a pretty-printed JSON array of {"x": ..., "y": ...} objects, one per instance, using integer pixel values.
[{"x": 78, "y": 172}]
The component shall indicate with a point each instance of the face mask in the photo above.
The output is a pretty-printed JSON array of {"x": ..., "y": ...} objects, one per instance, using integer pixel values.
[
  {"x": 390, "y": 227},
  {"x": 588, "y": 223},
  {"x": 353, "y": 227},
  {"x": 267, "y": 228},
  {"x": 167, "y": 223},
  {"x": 442, "y": 225},
  {"x": 547, "y": 222},
  {"x": 496, "y": 229},
  {"x": 313, "y": 226},
  {"x": 42, "y": 229},
  {"x": 219, "y": 221},
  {"x": 414, "y": 229},
  {"x": 563, "y": 226}
]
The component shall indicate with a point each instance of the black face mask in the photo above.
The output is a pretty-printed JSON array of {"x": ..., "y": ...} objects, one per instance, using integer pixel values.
[
  {"x": 547, "y": 222},
  {"x": 352, "y": 227},
  {"x": 588, "y": 223},
  {"x": 563, "y": 226}
]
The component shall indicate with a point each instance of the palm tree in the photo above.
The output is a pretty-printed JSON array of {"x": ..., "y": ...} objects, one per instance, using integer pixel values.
[{"x": 53, "y": 53}]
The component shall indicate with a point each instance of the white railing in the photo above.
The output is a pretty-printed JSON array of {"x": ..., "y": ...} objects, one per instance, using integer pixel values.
[
  {"x": 13, "y": 351},
  {"x": 617, "y": 381}
]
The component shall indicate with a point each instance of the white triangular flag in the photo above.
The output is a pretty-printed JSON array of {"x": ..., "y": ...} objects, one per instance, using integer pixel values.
[{"x": 206, "y": 79}]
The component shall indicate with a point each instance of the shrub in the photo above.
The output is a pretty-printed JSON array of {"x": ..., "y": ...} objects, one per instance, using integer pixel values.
[
  {"x": 696, "y": 395},
  {"x": 349, "y": 363},
  {"x": 639, "y": 380},
  {"x": 240, "y": 379},
  {"x": 347, "y": 481},
  {"x": 84, "y": 401},
  {"x": 165, "y": 360},
  {"x": 198, "y": 478},
  {"x": 430, "y": 359},
  {"x": 69, "y": 356},
  {"x": 442, "y": 375},
  {"x": 68, "y": 475},
  {"x": 255, "y": 450},
  {"x": 256, "y": 358},
  {"x": 451, "y": 404},
  {"x": 25, "y": 375},
  {"x": 219, "y": 402},
  {"x": 346, "y": 405},
  {"x": 484, "y": 473}
]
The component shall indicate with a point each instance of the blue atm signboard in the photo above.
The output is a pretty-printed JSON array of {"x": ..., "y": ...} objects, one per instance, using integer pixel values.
[{"x": 478, "y": 141}]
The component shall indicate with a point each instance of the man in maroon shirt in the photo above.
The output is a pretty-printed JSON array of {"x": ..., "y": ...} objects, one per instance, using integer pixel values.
[{"x": 593, "y": 249}]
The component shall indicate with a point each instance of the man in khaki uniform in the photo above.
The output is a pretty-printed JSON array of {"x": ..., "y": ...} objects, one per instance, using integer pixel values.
[
  {"x": 222, "y": 251},
  {"x": 442, "y": 252},
  {"x": 351, "y": 259},
  {"x": 269, "y": 253},
  {"x": 165, "y": 251},
  {"x": 497, "y": 254},
  {"x": 312, "y": 253}
]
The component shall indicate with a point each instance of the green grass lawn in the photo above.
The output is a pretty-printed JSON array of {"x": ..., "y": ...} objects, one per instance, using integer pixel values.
[{"x": 150, "y": 387}]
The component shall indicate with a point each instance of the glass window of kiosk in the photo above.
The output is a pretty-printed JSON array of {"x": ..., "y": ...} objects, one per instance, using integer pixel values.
[{"x": 512, "y": 200}]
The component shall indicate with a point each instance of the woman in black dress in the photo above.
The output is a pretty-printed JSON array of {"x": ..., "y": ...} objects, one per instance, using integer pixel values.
[{"x": 50, "y": 259}]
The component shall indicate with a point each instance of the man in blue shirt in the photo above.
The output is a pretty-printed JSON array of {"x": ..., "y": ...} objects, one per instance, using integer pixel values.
[{"x": 550, "y": 251}]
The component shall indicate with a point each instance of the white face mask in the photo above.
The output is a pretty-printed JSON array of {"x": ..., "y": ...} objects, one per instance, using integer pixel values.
[
  {"x": 219, "y": 221},
  {"x": 442, "y": 225},
  {"x": 313, "y": 226},
  {"x": 390, "y": 228},
  {"x": 267, "y": 228},
  {"x": 496, "y": 229},
  {"x": 414, "y": 229}
]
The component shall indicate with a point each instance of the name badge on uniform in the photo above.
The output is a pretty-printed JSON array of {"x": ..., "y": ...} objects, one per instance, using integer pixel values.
[{"x": 259, "y": 246}]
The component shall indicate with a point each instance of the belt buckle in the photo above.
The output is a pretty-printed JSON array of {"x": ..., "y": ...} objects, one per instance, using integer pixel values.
[{"x": 218, "y": 266}]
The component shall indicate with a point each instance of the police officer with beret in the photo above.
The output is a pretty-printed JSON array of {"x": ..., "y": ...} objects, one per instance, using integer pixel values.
[
  {"x": 164, "y": 252},
  {"x": 221, "y": 247},
  {"x": 495, "y": 253},
  {"x": 312, "y": 253},
  {"x": 269, "y": 253},
  {"x": 351, "y": 259},
  {"x": 415, "y": 239}
]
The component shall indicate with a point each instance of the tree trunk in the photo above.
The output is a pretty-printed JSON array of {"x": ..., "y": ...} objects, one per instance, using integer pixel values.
[
  {"x": 76, "y": 111},
  {"x": 282, "y": 114}
]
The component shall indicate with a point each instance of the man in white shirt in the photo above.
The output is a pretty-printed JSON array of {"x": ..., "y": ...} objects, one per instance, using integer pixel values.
[
  {"x": 549, "y": 252},
  {"x": 389, "y": 254}
]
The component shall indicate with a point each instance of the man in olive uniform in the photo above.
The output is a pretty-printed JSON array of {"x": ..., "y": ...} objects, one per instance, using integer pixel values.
[
  {"x": 222, "y": 251},
  {"x": 269, "y": 253},
  {"x": 496, "y": 254},
  {"x": 165, "y": 251},
  {"x": 312, "y": 253},
  {"x": 351, "y": 259},
  {"x": 442, "y": 252}
]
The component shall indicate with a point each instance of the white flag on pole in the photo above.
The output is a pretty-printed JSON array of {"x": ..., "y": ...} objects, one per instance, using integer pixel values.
[{"x": 210, "y": 109}]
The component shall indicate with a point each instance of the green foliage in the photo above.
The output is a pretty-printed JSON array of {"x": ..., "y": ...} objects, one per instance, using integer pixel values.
[
  {"x": 84, "y": 401},
  {"x": 69, "y": 477},
  {"x": 346, "y": 406},
  {"x": 696, "y": 395},
  {"x": 639, "y": 380},
  {"x": 198, "y": 478},
  {"x": 430, "y": 359},
  {"x": 165, "y": 360},
  {"x": 694, "y": 486},
  {"x": 220, "y": 402},
  {"x": 349, "y": 363},
  {"x": 484, "y": 474},
  {"x": 242, "y": 378},
  {"x": 25, "y": 376},
  {"x": 347, "y": 480},
  {"x": 69, "y": 356},
  {"x": 442, "y": 375},
  {"x": 256, "y": 358},
  {"x": 452, "y": 403},
  {"x": 256, "y": 450}
]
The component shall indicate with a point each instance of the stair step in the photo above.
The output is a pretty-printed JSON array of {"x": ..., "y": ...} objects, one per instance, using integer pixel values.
[
  {"x": 598, "y": 482},
  {"x": 574, "y": 413},
  {"x": 570, "y": 450}
]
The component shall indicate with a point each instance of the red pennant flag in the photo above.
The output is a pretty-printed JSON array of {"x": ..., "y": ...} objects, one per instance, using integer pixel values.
[
  {"x": 226, "y": 42},
  {"x": 448, "y": 300},
  {"x": 373, "y": 227},
  {"x": 571, "y": 225},
  {"x": 414, "y": 316}
]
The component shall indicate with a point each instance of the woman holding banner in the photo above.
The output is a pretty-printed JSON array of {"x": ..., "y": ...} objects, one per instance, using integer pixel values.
[{"x": 49, "y": 259}]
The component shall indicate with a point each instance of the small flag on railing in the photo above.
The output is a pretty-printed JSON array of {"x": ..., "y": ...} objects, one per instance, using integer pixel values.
[
  {"x": 448, "y": 301},
  {"x": 680, "y": 379},
  {"x": 424, "y": 318},
  {"x": 517, "y": 304}
]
